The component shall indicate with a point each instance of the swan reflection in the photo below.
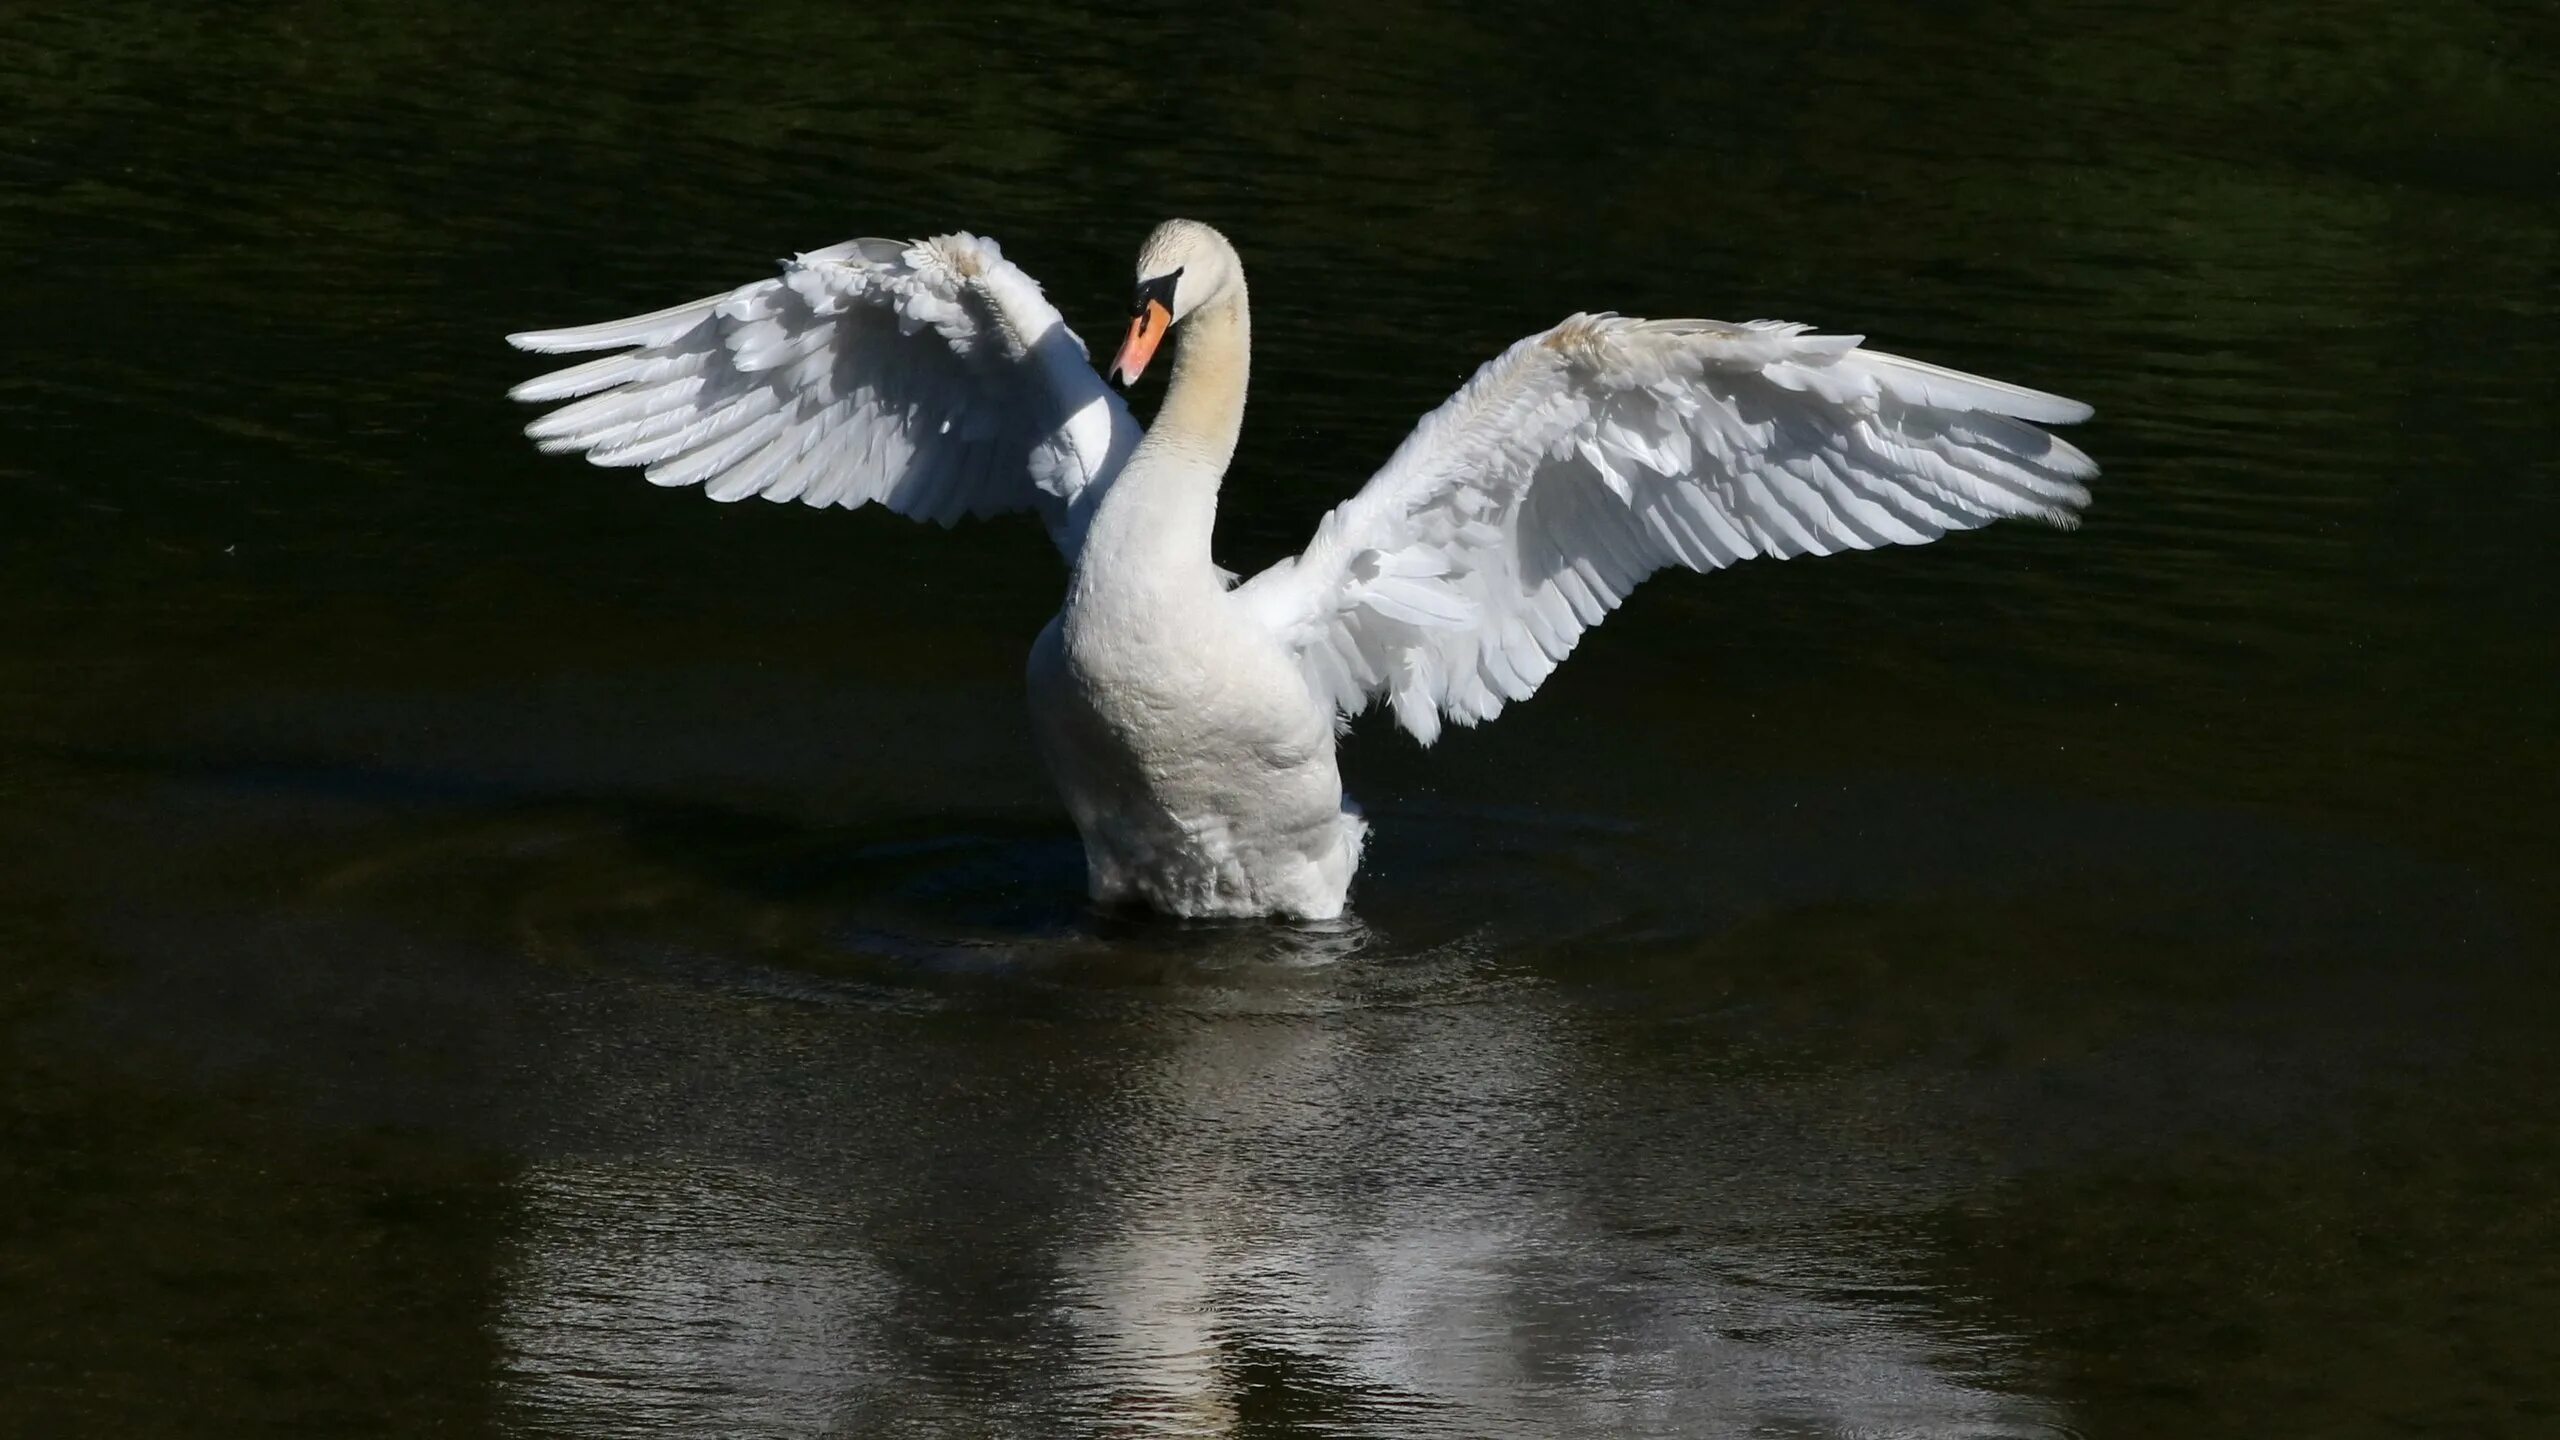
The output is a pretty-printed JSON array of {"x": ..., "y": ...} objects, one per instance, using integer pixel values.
[{"x": 1263, "y": 1197}]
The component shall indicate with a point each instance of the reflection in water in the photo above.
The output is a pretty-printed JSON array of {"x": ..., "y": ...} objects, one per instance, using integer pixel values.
[
  {"x": 683, "y": 1300},
  {"x": 1394, "y": 1213},
  {"x": 1270, "y": 1199}
]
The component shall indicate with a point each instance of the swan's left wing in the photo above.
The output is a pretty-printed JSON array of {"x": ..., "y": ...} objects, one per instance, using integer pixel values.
[
  {"x": 1581, "y": 460},
  {"x": 933, "y": 378}
]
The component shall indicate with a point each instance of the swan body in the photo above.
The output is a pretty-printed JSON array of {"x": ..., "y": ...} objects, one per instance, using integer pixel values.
[{"x": 1190, "y": 725}]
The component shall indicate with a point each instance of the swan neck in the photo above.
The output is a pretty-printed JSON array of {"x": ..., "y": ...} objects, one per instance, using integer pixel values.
[
  {"x": 1152, "y": 533},
  {"x": 1203, "y": 411}
]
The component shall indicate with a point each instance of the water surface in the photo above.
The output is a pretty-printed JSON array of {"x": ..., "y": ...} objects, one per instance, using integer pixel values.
[{"x": 490, "y": 946}]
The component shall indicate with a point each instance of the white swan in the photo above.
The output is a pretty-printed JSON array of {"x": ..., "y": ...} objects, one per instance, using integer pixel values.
[{"x": 1190, "y": 725}]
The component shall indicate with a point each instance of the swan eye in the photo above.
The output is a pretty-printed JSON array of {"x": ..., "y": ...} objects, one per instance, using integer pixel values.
[{"x": 1159, "y": 290}]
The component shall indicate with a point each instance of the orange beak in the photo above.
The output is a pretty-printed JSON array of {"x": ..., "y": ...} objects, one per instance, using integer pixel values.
[{"x": 1146, "y": 331}]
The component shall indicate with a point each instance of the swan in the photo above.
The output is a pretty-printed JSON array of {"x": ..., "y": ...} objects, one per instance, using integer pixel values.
[{"x": 1190, "y": 722}]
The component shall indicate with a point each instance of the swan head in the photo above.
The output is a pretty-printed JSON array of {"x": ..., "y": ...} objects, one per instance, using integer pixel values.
[{"x": 1183, "y": 266}]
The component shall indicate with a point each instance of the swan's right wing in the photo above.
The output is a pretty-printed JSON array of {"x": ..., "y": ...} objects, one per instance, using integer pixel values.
[
  {"x": 933, "y": 378},
  {"x": 1581, "y": 460}
]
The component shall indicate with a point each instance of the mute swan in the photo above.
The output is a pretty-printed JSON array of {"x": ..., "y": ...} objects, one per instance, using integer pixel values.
[{"x": 1190, "y": 726}]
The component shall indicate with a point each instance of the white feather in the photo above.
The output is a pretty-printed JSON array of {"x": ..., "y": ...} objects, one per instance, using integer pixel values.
[
  {"x": 932, "y": 377},
  {"x": 1585, "y": 458}
]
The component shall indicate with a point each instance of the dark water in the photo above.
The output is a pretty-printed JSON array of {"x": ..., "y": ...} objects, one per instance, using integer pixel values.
[{"x": 491, "y": 946}]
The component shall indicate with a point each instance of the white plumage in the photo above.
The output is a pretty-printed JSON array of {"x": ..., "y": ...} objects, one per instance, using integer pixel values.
[
  {"x": 933, "y": 378},
  {"x": 1191, "y": 726},
  {"x": 1582, "y": 460}
]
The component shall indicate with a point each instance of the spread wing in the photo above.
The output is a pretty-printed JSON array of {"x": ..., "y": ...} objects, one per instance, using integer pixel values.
[
  {"x": 933, "y": 378},
  {"x": 1581, "y": 460}
]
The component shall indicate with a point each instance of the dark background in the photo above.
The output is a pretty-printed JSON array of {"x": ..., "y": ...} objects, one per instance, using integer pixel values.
[{"x": 486, "y": 944}]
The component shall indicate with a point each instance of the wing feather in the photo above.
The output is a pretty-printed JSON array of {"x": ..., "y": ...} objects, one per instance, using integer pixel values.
[
  {"x": 1581, "y": 460},
  {"x": 932, "y": 378}
]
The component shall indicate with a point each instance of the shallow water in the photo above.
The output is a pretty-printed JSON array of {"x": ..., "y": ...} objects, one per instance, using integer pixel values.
[{"x": 491, "y": 946}]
